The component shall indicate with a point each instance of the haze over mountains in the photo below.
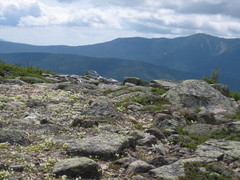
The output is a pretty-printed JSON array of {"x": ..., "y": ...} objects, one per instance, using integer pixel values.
[{"x": 158, "y": 58}]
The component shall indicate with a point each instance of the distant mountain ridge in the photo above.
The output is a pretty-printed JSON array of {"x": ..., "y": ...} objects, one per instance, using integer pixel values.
[
  {"x": 197, "y": 54},
  {"x": 107, "y": 67}
]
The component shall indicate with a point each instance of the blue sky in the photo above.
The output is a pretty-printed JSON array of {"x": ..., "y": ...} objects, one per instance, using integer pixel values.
[{"x": 81, "y": 22}]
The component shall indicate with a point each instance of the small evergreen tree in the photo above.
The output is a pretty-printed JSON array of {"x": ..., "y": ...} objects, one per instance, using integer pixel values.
[{"x": 213, "y": 78}]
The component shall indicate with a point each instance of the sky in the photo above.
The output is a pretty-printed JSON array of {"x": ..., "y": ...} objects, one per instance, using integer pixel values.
[{"x": 82, "y": 22}]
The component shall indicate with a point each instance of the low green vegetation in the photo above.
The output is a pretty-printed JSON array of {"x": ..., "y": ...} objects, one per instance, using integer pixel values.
[
  {"x": 148, "y": 100},
  {"x": 189, "y": 141},
  {"x": 157, "y": 91},
  {"x": 8, "y": 71},
  {"x": 235, "y": 95},
  {"x": 235, "y": 116},
  {"x": 192, "y": 141},
  {"x": 206, "y": 171},
  {"x": 109, "y": 91},
  {"x": 226, "y": 134},
  {"x": 213, "y": 78}
]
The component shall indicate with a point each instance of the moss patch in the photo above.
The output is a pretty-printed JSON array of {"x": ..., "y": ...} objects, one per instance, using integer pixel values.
[{"x": 204, "y": 171}]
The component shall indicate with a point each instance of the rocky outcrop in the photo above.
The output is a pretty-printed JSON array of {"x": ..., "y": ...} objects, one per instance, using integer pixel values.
[
  {"x": 103, "y": 146},
  {"x": 199, "y": 94},
  {"x": 91, "y": 127},
  {"x": 220, "y": 150},
  {"x": 14, "y": 136},
  {"x": 164, "y": 84},
  {"x": 172, "y": 171}
]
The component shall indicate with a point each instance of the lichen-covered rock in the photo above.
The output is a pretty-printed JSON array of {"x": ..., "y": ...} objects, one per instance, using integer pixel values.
[
  {"x": 138, "y": 166},
  {"x": 201, "y": 129},
  {"x": 78, "y": 167},
  {"x": 205, "y": 116},
  {"x": 221, "y": 88},
  {"x": 172, "y": 171},
  {"x": 220, "y": 150},
  {"x": 156, "y": 132},
  {"x": 164, "y": 84},
  {"x": 233, "y": 126},
  {"x": 103, "y": 146},
  {"x": 149, "y": 140},
  {"x": 162, "y": 160},
  {"x": 197, "y": 94},
  {"x": 86, "y": 123},
  {"x": 103, "y": 111},
  {"x": 159, "y": 149},
  {"x": 14, "y": 136}
]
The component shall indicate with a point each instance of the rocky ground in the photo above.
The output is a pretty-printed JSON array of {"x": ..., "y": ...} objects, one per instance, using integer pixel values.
[{"x": 89, "y": 127}]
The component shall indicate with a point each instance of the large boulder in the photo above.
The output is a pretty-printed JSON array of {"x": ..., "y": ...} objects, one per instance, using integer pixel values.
[
  {"x": 202, "y": 129},
  {"x": 138, "y": 166},
  {"x": 172, "y": 171},
  {"x": 220, "y": 150},
  {"x": 164, "y": 84},
  {"x": 78, "y": 167},
  {"x": 136, "y": 81},
  {"x": 13, "y": 136},
  {"x": 103, "y": 146},
  {"x": 199, "y": 94}
]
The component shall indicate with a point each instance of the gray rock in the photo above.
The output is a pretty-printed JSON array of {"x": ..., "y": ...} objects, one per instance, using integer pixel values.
[
  {"x": 173, "y": 137},
  {"x": 220, "y": 150},
  {"x": 13, "y": 81},
  {"x": 103, "y": 146},
  {"x": 149, "y": 140},
  {"x": 161, "y": 161},
  {"x": 143, "y": 83},
  {"x": 138, "y": 135},
  {"x": 159, "y": 117},
  {"x": 197, "y": 94},
  {"x": 125, "y": 161},
  {"x": 138, "y": 166},
  {"x": 78, "y": 167},
  {"x": 172, "y": 171},
  {"x": 18, "y": 168},
  {"x": 33, "y": 80},
  {"x": 103, "y": 111},
  {"x": 201, "y": 129},
  {"x": 143, "y": 139},
  {"x": 205, "y": 116},
  {"x": 159, "y": 149},
  {"x": 164, "y": 84},
  {"x": 233, "y": 126},
  {"x": 14, "y": 136},
  {"x": 139, "y": 177},
  {"x": 168, "y": 123},
  {"x": 156, "y": 132},
  {"x": 131, "y": 80},
  {"x": 221, "y": 88},
  {"x": 86, "y": 123}
]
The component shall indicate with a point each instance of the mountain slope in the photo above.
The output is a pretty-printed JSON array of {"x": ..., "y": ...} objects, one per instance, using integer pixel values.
[
  {"x": 197, "y": 54},
  {"x": 108, "y": 67}
]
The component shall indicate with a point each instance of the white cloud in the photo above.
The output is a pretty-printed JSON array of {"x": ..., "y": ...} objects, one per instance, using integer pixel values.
[{"x": 149, "y": 18}]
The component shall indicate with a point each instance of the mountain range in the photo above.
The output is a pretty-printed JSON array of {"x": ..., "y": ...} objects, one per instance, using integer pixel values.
[{"x": 158, "y": 58}]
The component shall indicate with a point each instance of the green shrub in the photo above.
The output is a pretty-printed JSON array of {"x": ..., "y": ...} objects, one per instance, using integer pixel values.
[
  {"x": 8, "y": 71},
  {"x": 157, "y": 91},
  {"x": 226, "y": 134},
  {"x": 213, "y": 78},
  {"x": 235, "y": 95},
  {"x": 235, "y": 116}
]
